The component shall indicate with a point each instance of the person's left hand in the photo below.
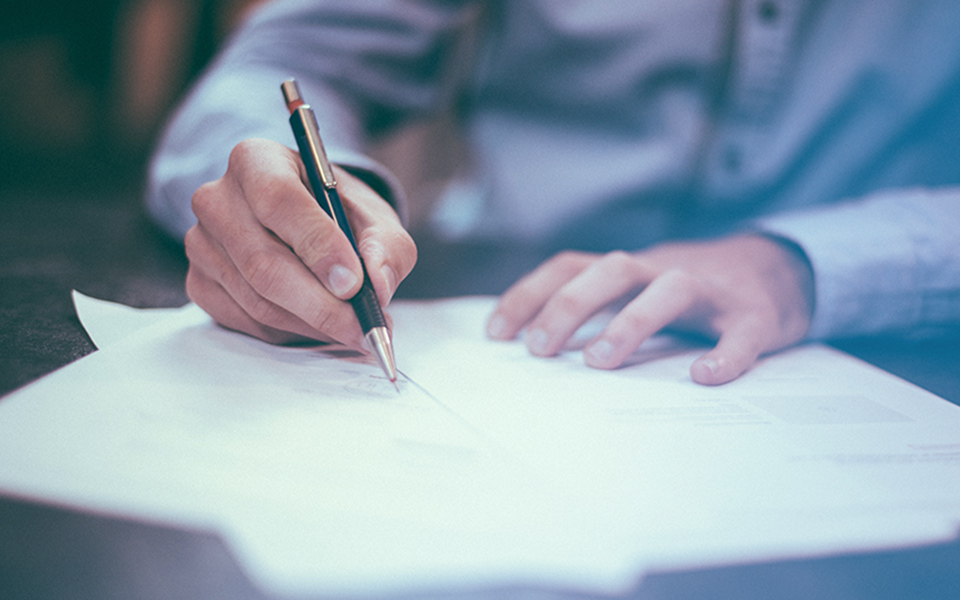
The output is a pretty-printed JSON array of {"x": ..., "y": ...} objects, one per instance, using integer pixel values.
[{"x": 751, "y": 293}]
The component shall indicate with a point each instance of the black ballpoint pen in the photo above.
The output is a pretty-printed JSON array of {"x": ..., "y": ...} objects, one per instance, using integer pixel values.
[{"x": 324, "y": 184}]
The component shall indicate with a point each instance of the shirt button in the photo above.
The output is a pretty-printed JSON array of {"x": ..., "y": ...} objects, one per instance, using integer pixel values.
[{"x": 768, "y": 11}]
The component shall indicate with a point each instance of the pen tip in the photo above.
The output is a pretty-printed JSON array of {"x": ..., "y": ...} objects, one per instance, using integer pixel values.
[{"x": 378, "y": 339}]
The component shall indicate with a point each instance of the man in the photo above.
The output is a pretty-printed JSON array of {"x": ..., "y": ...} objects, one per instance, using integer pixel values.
[{"x": 759, "y": 171}]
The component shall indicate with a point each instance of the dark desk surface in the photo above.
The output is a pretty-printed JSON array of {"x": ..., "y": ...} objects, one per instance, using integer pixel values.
[{"x": 102, "y": 245}]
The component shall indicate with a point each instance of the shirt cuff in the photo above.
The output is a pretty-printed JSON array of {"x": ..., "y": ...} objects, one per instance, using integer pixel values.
[{"x": 864, "y": 267}]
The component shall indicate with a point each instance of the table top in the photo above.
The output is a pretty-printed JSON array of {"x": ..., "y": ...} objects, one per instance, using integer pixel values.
[{"x": 103, "y": 245}]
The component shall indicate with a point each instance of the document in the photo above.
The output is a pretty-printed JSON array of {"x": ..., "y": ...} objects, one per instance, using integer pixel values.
[{"x": 491, "y": 469}]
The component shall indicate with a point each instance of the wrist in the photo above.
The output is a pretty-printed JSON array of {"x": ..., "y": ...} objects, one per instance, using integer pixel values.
[{"x": 793, "y": 273}]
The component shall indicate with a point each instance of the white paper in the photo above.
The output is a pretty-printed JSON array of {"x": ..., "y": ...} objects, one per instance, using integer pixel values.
[
  {"x": 109, "y": 322},
  {"x": 491, "y": 468}
]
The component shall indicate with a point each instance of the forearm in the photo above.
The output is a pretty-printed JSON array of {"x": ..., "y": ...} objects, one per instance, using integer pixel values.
[
  {"x": 362, "y": 68},
  {"x": 227, "y": 107}
]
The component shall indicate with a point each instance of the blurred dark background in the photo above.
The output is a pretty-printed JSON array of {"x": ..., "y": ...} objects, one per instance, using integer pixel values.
[
  {"x": 84, "y": 89},
  {"x": 85, "y": 85}
]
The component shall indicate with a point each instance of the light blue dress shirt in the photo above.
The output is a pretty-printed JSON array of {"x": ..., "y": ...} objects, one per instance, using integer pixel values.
[{"x": 618, "y": 123}]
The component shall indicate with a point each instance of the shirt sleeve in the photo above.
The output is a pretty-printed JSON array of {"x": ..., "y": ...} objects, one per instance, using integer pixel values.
[
  {"x": 363, "y": 67},
  {"x": 887, "y": 263}
]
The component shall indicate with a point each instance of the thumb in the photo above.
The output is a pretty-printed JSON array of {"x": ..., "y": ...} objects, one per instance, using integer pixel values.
[{"x": 736, "y": 351}]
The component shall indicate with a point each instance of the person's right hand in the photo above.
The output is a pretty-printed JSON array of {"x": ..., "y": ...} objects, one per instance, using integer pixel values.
[{"x": 266, "y": 260}]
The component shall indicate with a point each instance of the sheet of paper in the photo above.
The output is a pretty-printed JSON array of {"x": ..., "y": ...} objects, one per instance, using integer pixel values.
[
  {"x": 109, "y": 322},
  {"x": 491, "y": 468}
]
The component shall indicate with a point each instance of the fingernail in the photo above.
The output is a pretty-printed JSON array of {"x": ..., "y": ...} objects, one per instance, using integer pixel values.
[
  {"x": 390, "y": 276},
  {"x": 711, "y": 365},
  {"x": 705, "y": 371},
  {"x": 497, "y": 327},
  {"x": 537, "y": 340},
  {"x": 341, "y": 280},
  {"x": 599, "y": 352}
]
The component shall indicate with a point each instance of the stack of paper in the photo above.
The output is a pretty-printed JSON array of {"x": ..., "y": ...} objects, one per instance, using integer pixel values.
[{"x": 491, "y": 468}]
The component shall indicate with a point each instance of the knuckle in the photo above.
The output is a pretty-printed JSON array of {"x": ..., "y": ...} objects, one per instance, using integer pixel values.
[
  {"x": 266, "y": 314},
  {"x": 371, "y": 244},
  {"x": 395, "y": 247},
  {"x": 685, "y": 284},
  {"x": 204, "y": 199},
  {"x": 262, "y": 311},
  {"x": 314, "y": 244},
  {"x": 618, "y": 257},
  {"x": 267, "y": 199},
  {"x": 619, "y": 264},
  {"x": 325, "y": 321},
  {"x": 262, "y": 180},
  {"x": 201, "y": 252},
  {"x": 568, "y": 261},
  {"x": 567, "y": 304},
  {"x": 244, "y": 151},
  {"x": 407, "y": 249},
  {"x": 330, "y": 322},
  {"x": 262, "y": 270},
  {"x": 634, "y": 321},
  {"x": 191, "y": 243}
]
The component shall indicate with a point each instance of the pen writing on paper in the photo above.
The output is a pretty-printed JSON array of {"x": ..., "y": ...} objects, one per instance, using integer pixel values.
[{"x": 324, "y": 187}]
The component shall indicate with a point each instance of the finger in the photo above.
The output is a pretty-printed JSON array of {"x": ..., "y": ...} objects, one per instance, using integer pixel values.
[
  {"x": 389, "y": 253},
  {"x": 216, "y": 302},
  {"x": 736, "y": 351},
  {"x": 271, "y": 269},
  {"x": 271, "y": 179},
  {"x": 521, "y": 303},
  {"x": 388, "y": 260},
  {"x": 607, "y": 279},
  {"x": 211, "y": 275},
  {"x": 664, "y": 300}
]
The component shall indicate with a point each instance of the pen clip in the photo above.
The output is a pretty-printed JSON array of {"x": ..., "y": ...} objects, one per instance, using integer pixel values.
[
  {"x": 315, "y": 145},
  {"x": 311, "y": 132}
]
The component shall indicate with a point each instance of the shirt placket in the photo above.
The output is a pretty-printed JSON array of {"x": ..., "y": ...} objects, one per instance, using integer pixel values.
[{"x": 760, "y": 61}]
